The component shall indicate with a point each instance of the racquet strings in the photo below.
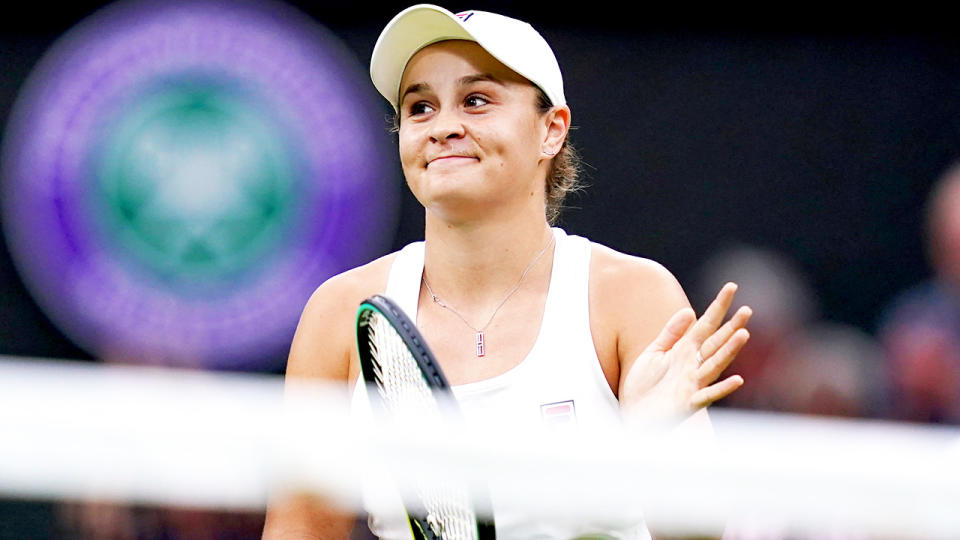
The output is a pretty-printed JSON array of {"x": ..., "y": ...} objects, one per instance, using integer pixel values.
[
  {"x": 399, "y": 381},
  {"x": 447, "y": 509}
]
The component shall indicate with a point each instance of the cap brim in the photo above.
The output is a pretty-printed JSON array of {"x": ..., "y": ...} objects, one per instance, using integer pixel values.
[{"x": 411, "y": 30}]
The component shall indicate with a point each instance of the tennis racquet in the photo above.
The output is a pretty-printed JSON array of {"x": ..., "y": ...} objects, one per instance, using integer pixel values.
[{"x": 405, "y": 380}]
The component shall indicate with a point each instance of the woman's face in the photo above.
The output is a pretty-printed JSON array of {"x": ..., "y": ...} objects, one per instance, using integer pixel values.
[{"x": 470, "y": 134}]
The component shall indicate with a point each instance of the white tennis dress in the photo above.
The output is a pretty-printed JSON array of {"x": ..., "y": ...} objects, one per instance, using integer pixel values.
[{"x": 560, "y": 381}]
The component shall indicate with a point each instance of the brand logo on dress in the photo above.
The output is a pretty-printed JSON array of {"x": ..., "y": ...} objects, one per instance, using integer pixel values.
[
  {"x": 464, "y": 15},
  {"x": 558, "y": 413}
]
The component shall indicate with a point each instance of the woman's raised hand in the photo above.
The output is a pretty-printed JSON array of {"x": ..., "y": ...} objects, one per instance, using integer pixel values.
[{"x": 676, "y": 375}]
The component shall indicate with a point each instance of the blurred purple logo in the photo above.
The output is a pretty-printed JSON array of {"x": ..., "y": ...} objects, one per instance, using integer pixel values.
[{"x": 179, "y": 177}]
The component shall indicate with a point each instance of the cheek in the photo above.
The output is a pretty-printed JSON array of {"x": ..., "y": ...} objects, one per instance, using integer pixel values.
[
  {"x": 531, "y": 138},
  {"x": 526, "y": 147},
  {"x": 408, "y": 150}
]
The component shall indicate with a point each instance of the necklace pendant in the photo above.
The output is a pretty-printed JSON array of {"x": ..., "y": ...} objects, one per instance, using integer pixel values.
[{"x": 480, "y": 348}]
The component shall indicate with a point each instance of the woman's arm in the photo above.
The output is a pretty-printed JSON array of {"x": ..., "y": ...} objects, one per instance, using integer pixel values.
[
  {"x": 323, "y": 348},
  {"x": 655, "y": 338}
]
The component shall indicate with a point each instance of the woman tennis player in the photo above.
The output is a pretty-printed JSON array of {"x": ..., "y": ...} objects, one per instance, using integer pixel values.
[{"x": 527, "y": 321}]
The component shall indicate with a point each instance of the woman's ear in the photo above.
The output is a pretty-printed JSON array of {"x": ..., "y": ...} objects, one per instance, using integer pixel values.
[{"x": 557, "y": 123}]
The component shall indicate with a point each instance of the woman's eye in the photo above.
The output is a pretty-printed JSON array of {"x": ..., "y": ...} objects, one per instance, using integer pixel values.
[
  {"x": 420, "y": 107},
  {"x": 476, "y": 101}
]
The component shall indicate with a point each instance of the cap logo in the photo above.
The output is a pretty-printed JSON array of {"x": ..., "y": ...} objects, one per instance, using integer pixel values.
[{"x": 464, "y": 15}]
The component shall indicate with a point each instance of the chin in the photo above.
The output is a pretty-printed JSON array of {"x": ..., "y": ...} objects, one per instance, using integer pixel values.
[{"x": 457, "y": 207}]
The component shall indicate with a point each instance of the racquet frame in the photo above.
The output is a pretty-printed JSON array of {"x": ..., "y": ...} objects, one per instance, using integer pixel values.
[{"x": 430, "y": 371}]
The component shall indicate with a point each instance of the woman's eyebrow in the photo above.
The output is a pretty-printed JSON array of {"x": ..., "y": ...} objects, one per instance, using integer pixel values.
[
  {"x": 462, "y": 81},
  {"x": 415, "y": 87}
]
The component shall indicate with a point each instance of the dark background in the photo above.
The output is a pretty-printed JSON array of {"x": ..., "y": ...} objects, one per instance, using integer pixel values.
[{"x": 813, "y": 133}]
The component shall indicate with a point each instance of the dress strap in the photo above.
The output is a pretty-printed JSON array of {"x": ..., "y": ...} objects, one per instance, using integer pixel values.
[
  {"x": 403, "y": 283},
  {"x": 567, "y": 302}
]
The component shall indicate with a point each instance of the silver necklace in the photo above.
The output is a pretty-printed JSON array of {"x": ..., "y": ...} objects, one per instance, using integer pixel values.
[{"x": 481, "y": 346}]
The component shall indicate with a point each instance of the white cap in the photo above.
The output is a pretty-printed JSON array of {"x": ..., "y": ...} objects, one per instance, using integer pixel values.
[{"x": 514, "y": 43}]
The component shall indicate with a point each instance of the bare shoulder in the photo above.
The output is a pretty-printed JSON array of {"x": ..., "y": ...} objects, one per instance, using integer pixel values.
[
  {"x": 631, "y": 299},
  {"x": 618, "y": 278},
  {"x": 323, "y": 344}
]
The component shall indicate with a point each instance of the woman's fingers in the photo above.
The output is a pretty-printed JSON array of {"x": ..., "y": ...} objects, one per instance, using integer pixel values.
[
  {"x": 705, "y": 396},
  {"x": 711, "y": 319},
  {"x": 713, "y": 343},
  {"x": 714, "y": 366},
  {"x": 675, "y": 329}
]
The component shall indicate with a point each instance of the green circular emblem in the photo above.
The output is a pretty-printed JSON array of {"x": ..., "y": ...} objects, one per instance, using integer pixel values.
[{"x": 193, "y": 184}]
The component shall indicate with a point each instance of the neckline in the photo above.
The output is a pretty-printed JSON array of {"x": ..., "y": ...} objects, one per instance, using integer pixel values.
[{"x": 545, "y": 320}]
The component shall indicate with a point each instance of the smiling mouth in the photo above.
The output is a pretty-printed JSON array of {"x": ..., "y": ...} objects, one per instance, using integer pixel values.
[{"x": 450, "y": 159}]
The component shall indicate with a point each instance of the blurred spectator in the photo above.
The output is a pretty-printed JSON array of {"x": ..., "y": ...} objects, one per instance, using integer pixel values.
[
  {"x": 782, "y": 304},
  {"x": 96, "y": 520},
  {"x": 828, "y": 369},
  {"x": 794, "y": 362},
  {"x": 921, "y": 329}
]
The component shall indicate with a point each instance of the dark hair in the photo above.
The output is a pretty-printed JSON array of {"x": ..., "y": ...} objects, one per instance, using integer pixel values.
[{"x": 564, "y": 173}]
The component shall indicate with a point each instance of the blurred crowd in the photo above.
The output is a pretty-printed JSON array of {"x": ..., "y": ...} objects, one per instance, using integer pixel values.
[{"x": 799, "y": 361}]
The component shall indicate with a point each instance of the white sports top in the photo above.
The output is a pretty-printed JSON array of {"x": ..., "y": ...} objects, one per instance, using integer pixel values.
[{"x": 559, "y": 381}]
